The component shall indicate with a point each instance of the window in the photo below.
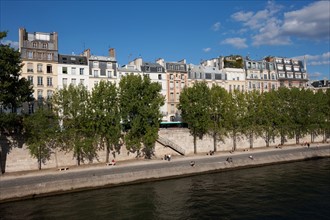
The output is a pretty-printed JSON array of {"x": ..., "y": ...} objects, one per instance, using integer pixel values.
[
  {"x": 40, "y": 83},
  {"x": 159, "y": 76},
  {"x": 82, "y": 81},
  {"x": 49, "y": 68},
  {"x": 171, "y": 96},
  {"x": 208, "y": 76},
  {"x": 30, "y": 55},
  {"x": 171, "y": 76},
  {"x": 65, "y": 81},
  {"x": 237, "y": 78},
  {"x": 73, "y": 70},
  {"x": 44, "y": 45},
  {"x": 182, "y": 84},
  {"x": 229, "y": 88},
  {"x": 49, "y": 56},
  {"x": 30, "y": 79},
  {"x": 172, "y": 108},
  {"x": 49, "y": 94},
  {"x": 147, "y": 68},
  {"x": 109, "y": 65},
  {"x": 49, "y": 81},
  {"x": 81, "y": 71},
  {"x": 95, "y": 64},
  {"x": 102, "y": 73},
  {"x": 109, "y": 74},
  {"x": 73, "y": 81},
  {"x": 265, "y": 76},
  {"x": 177, "y": 96},
  {"x": 115, "y": 74},
  {"x": 171, "y": 85},
  {"x": 34, "y": 44},
  {"x": 30, "y": 67},
  {"x": 39, "y": 67},
  {"x": 177, "y": 84},
  {"x": 96, "y": 73},
  {"x": 65, "y": 70},
  {"x": 159, "y": 69},
  {"x": 39, "y": 95}
]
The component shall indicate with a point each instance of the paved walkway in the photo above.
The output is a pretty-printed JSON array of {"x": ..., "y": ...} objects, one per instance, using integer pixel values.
[{"x": 136, "y": 162}]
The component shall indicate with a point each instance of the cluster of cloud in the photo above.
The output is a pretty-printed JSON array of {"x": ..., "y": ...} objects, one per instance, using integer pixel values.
[
  {"x": 270, "y": 27},
  {"x": 316, "y": 60},
  {"x": 13, "y": 44}
]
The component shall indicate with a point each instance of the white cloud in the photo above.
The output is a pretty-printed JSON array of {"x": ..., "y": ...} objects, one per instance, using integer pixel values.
[
  {"x": 270, "y": 27},
  {"x": 236, "y": 42},
  {"x": 312, "y": 21},
  {"x": 206, "y": 49},
  {"x": 13, "y": 44},
  {"x": 315, "y": 60},
  {"x": 216, "y": 26}
]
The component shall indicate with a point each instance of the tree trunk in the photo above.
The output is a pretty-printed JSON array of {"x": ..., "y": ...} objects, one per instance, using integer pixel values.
[
  {"x": 298, "y": 136},
  {"x": 234, "y": 141},
  {"x": 251, "y": 140},
  {"x": 78, "y": 158},
  {"x": 39, "y": 159},
  {"x": 215, "y": 142},
  {"x": 312, "y": 137},
  {"x": 195, "y": 147}
]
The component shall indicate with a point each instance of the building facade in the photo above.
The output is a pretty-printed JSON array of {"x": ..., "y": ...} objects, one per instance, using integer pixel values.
[
  {"x": 39, "y": 53},
  {"x": 72, "y": 69}
]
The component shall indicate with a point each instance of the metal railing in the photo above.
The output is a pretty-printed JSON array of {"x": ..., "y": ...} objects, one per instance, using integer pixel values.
[{"x": 166, "y": 142}]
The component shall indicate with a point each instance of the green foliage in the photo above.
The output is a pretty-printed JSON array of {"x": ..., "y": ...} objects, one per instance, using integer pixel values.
[
  {"x": 233, "y": 61},
  {"x": 41, "y": 129},
  {"x": 140, "y": 101},
  {"x": 195, "y": 109},
  {"x": 104, "y": 106},
  {"x": 13, "y": 90},
  {"x": 72, "y": 106},
  {"x": 219, "y": 102}
]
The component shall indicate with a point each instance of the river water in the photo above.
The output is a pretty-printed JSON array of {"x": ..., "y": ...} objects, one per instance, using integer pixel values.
[{"x": 299, "y": 190}]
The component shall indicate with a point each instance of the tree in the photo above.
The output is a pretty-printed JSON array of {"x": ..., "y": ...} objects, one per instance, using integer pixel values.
[
  {"x": 72, "y": 107},
  {"x": 13, "y": 92},
  {"x": 140, "y": 102},
  {"x": 283, "y": 122},
  {"x": 219, "y": 99},
  {"x": 41, "y": 129},
  {"x": 235, "y": 116},
  {"x": 104, "y": 105},
  {"x": 268, "y": 115},
  {"x": 13, "y": 89},
  {"x": 251, "y": 120},
  {"x": 195, "y": 110}
]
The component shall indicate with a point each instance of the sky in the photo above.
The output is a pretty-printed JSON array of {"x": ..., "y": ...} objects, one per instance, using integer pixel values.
[{"x": 194, "y": 30}]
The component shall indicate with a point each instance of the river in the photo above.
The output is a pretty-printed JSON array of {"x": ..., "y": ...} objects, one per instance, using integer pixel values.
[{"x": 299, "y": 190}]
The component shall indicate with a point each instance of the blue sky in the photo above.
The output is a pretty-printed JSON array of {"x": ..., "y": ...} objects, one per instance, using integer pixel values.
[{"x": 175, "y": 30}]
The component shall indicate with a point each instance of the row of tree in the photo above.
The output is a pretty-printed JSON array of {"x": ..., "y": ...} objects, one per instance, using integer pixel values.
[
  {"x": 85, "y": 122},
  {"x": 284, "y": 113}
]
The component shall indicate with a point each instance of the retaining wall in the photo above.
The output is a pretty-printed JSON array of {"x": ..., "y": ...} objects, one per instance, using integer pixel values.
[{"x": 19, "y": 159}]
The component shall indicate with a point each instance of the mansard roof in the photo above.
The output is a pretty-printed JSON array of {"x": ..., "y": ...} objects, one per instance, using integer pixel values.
[{"x": 72, "y": 59}]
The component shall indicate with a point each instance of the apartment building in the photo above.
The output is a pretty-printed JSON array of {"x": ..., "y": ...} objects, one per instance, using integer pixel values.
[
  {"x": 72, "y": 69},
  {"x": 233, "y": 69},
  {"x": 260, "y": 75},
  {"x": 209, "y": 74},
  {"x": 157, "y": 74},
  {"x": 177, "y": 79},
  {"x": 39, "y": 53},
  {"x": 290, "y": 72},
  {"x": 101, "y": 68}
]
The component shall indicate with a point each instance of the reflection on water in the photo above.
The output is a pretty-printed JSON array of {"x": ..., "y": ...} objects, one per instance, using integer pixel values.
[{"x": 289, "y": 191}]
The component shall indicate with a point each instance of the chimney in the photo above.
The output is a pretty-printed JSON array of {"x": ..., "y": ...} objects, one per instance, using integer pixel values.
[
  {"x": 112, "y": 52},
  {"x": 87, "y": 53}
]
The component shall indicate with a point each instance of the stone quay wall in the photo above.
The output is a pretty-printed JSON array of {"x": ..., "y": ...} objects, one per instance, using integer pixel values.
[{"x": 19, "y": 159}]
